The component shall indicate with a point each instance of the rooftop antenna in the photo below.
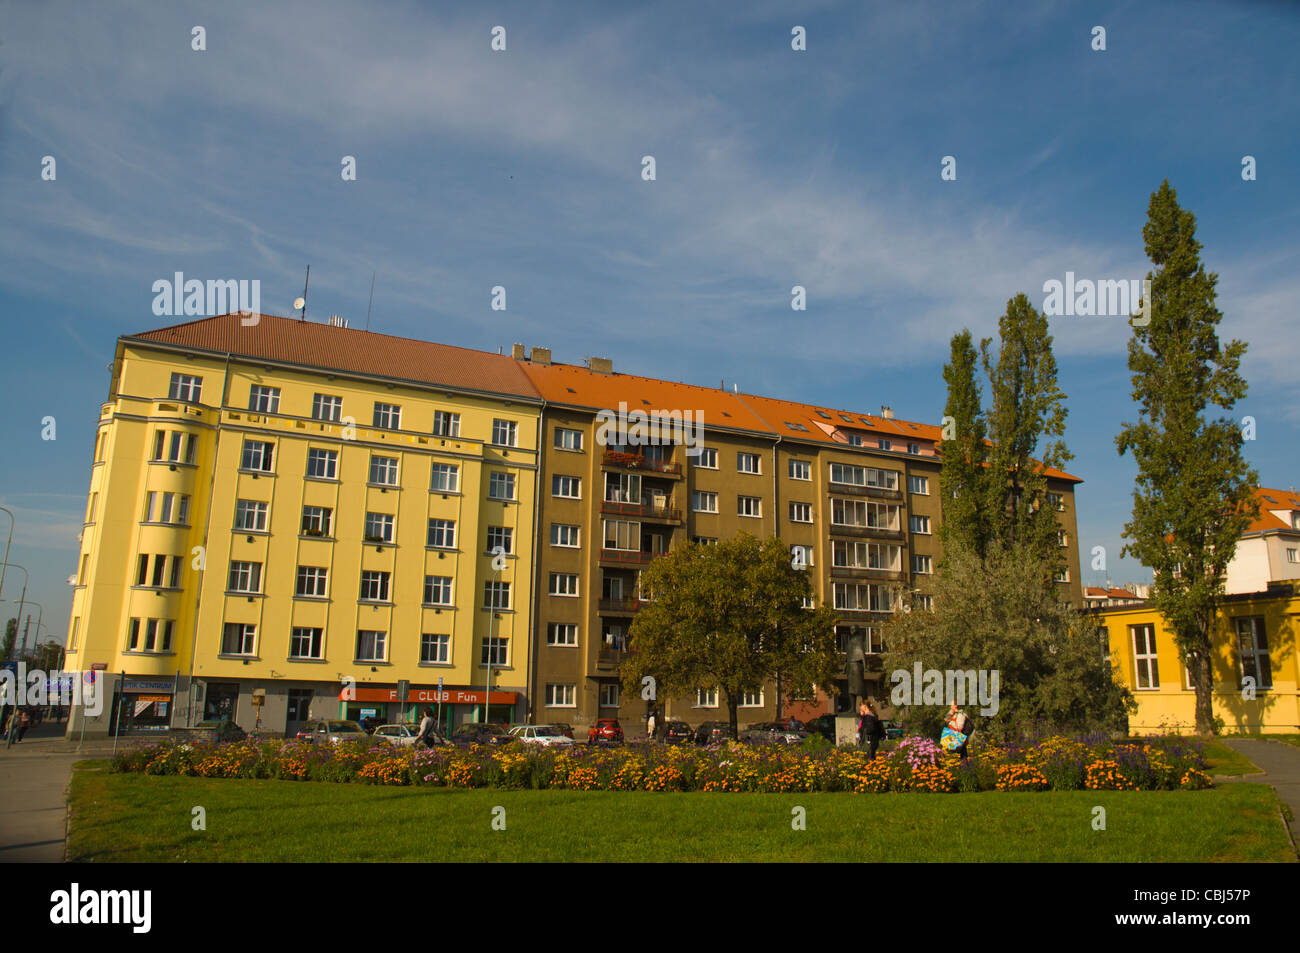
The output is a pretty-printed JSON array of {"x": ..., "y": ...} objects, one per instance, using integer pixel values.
[
  {"x": 372, "y": 299},
  {"x": 301, "y": 303}
]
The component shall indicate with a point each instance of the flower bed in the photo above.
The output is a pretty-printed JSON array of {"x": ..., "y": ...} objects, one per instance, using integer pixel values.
[{"x": 912, "y": 765}]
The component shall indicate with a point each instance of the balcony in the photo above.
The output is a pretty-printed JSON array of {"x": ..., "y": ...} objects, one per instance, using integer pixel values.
[
  {"x": 642, "y": 510},
  {"x": 639, "y": 464},
  {"x": 856, "y": 489},
  {"x": 873, "y": 575},
  {"x": 627, "y": 557},
  {"x": 608, "y": 660},
  {"x": 621, "y": 606},
  {"x": 872, "y": 532}
]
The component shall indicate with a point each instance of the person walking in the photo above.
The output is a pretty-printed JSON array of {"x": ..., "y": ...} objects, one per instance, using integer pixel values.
[
  {"x": 957, "y": 731},
  {"x": 427, "y": 731},
  {"x": 24, "y": 722},
  {"x": 870, "y": 729}
]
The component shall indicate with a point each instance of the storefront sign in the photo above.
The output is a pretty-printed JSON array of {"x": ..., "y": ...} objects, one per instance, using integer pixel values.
[
  {"x": 420, "y": 696},
  {"x": 148, "y": 686}
]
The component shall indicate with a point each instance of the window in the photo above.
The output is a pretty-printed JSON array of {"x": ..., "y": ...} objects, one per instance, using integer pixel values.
[
  {"x": 387, "y": 416},
  {"x": 1293, "y": 555},
  {"x": 323, "y": 464},
  {"x": 501, "y": 486},
  {"x": 801, "y": 513},
  {"x": 383, "y": 470},
  {"x": 886, "y": 444},
  {"x": 312, "y": 581},
  {"x": 914, "y": 448},
  {"x": 264, "y": 400},
  {"x": 496, "y": 595},
  {"x": 705, "y": 540},
  {"x": 919, "y": 485},
  {"x": 919, "y": 524},
  {"x": 372, "y": 646},
  {"x": 305, "y": 642},
  {"x": 622, "y": 534},
  {"x": 500, "y": 536},
  {"x": 562, "y": 633},
  {"x": 1061, "y": 539},
  {"x": 72, "y": 638},
  {"x": 258, "y": 455},
  {"x": 706, "y": 698},
  {"x": 90, "y": 510},
  {"x": 379, "y": 527},
  {"x": 561, "y": 696},
  {"x": 186, "y": 388},
  {"x": 442, "y": 534},
  {"x": 568, "y": 439},
  {"x": 1144, "y": 656},
  {"x": 854, "y": 439},
  {"x": 100, "y": 441},
  {"x": 703, "y": 501},
  {"x": 885, "y": 479},
  {"x": 610, "y": 694},
  {"x": 564, "y": 584},
  {"x": 374, "y": 585},
  {"x": 1254, "y": 652},
  {"x": 1062, "y": 576},
  {"x": 446, "y": 424},
  {"x": 563, "y": 534},
  {"x": 435, "y": 648},
  {"x": 861, "y": 597},
  {"x": 923, "y": 602},
  {"x": 504, "y": 433},
  {"x": 446, "y": 478},
  {"x": 493, "y": 652},
  {"x": 172, "y": 446},
  {"x": 566, "y": 487},
  {"x": 751, "y": 700},
  {"x": 923, "y": 565},
  {"x": 747, "y": 463},
  {"x": 250, "y": 516},
  {"x": 317, "y": 521},
  {"x": 707, "y": 459},
  {"x": 749, "y": 506},
  {"x": 1057, "y": 501},
  {"x": 437, "y": 590},
  {"x": 848, "y": 475},
  {"x": 239, "y": 638},
  {"x": 800, "y": 470},
  {"x": 326, "y": 407},
  {"x": 245, "y": 577},
  {"x": 623, "y": 487}
]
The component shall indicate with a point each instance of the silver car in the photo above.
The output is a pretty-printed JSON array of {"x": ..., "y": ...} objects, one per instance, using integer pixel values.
[
  {"x": 546, "y": 735},
  {"x": 402, "y": 736},
  {"x": 333, "y": 732}
]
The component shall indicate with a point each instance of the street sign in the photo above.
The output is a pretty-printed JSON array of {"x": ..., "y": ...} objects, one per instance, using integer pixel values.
[
  {"x": 99, "y": 666},
  {"x": 403, "y": 689}
]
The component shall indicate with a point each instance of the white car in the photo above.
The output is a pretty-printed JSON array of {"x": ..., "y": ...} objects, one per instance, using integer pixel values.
[
  {"x": 402, "y": 736},
  {"x": 546, "y": 735},
  {"x": 330, "y": 731}
]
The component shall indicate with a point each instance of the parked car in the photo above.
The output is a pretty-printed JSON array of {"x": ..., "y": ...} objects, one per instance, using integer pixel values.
[
  {"x": 480, "y": 733},
  {"x": 892, "y": 729},
  {"x": 223, "y": 729},
  {"x": 564, "y": 729},
  {"x": 714, "y": 732},
  {"x": 546, "y": 735},
  {"x": 823, "y": 725},
  {"x": 606, "y": 730},
  {"x": 402, "y": 736},
  {"x": 677, "y": 733},
  {"x": 332, "y": 732},
  {"x": 772, "y": 732}
]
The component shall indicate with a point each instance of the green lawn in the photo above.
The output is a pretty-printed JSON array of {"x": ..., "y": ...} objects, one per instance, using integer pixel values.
[
  {"x": 133, "y": 817},
  {"x": 1220, "y": 759}
]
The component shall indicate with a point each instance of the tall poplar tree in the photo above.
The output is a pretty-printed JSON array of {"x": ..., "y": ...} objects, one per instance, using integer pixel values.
[
  {"x": 1026, "y": 423},
  {"x": 963, "y": 481},
  {"x": 1193, "y": 496}
]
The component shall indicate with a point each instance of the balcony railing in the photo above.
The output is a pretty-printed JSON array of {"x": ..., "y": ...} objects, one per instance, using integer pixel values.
[
  {"x": 628, "y": 557},
  {"x": 634, "y": 461},
  {"x": 857, "y": 489},
  {"x": 620, "y": 605},
  {"x": 642, "y": 510},
  {"x": 877, "y": 532},
  {"x": 863, "y": 572}
]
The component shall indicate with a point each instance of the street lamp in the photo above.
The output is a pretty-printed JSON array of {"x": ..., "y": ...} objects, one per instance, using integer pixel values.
[
  {"x": 5, "y": 564},
  {"x": 23, "y": 600},
  {"x": 39, "y": 616}
]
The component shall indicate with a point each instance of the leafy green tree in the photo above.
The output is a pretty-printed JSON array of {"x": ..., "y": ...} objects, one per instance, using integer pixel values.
[
  {"x": 11, "y": 637},
  {"x": 1193, "y": 495},
  {"x": 1000, "y": 614},
  {"x": 963, "y": 481},
  {"x": 1026, "y": 424},
  {"x": 731, "y": 615}
]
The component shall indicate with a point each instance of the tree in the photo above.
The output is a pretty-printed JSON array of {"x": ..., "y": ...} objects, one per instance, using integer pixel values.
[
  {"x": 11, "y": 636},
  {"x": 731, "y": 615},
  {"x": 999, "y": 614},
  {"x": 1193, "y": 495},
  {"x": 1026, "y": 423},
  {"x": 963, "y": 481}
]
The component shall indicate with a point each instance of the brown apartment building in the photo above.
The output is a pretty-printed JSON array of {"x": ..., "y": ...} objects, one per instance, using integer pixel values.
[{"x": 860, "y": 493}]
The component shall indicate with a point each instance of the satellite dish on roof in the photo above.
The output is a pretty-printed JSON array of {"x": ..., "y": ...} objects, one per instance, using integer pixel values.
[{"x": 298, "y": 303}]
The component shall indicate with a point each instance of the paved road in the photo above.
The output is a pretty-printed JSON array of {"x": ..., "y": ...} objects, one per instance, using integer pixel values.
[
  {"x": 34, "y": 776},
  {"x": 1281, "y": 766}
]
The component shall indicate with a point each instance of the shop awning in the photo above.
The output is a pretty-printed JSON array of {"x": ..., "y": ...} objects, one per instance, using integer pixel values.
[{"x": 431, "y": 696}]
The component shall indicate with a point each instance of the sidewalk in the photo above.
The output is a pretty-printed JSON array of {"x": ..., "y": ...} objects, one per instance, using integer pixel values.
[
  {"x": 1281, "y": 766},
  {"x": 34, "y": 774}
]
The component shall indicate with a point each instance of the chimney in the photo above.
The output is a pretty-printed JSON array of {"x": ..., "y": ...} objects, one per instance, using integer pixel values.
[
  {"x": 601, "y": 365},
  {"x": 336, "y": 322},
  {"x": 541, "y": 355},
  {"x": 886, "y": 412},
  {"x": 517, "y": 351}
]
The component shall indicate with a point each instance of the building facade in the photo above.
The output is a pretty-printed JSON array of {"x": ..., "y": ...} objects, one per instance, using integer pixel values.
[{"x": 1269, "y": 550}]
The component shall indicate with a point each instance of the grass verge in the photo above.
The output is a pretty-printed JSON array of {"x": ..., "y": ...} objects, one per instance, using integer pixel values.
[{"x": 131, "y": 817}]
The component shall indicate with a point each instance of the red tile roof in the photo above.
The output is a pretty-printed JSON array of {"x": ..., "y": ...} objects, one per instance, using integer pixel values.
[{"x": 1273, "y": 500}]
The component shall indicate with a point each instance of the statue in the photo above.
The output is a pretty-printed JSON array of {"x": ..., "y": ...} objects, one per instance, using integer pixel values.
[{"x": 855, "y": 666}]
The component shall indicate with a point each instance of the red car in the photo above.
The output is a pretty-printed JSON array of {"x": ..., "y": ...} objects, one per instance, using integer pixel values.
[{"x": 606, "y": 730}]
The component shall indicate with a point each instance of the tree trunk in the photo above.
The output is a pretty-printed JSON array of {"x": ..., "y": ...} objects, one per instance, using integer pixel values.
[
  {"x": 732, "y": 705},
  {"x": 1203, "y": 682}
]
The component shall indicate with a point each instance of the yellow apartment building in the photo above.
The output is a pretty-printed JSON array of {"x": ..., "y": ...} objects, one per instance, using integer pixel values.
[
  {"x": 1255, "y": 663},
  {"x": 288, "y": 519}
]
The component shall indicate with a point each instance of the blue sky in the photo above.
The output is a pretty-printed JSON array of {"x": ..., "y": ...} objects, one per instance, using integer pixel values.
[{"x": 523, "y": 169}]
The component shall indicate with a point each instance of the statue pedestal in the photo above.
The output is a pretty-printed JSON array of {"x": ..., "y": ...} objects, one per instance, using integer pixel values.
[{"x": 846, "y": 730}]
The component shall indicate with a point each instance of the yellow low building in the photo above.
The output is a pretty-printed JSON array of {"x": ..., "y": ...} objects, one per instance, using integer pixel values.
[{"x": 1256, "y": 673}]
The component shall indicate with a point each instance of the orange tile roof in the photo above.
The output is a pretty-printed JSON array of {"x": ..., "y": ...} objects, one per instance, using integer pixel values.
[
  {"x": 316, "y": 345},
  {"x": 1273, "y": 500}
]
